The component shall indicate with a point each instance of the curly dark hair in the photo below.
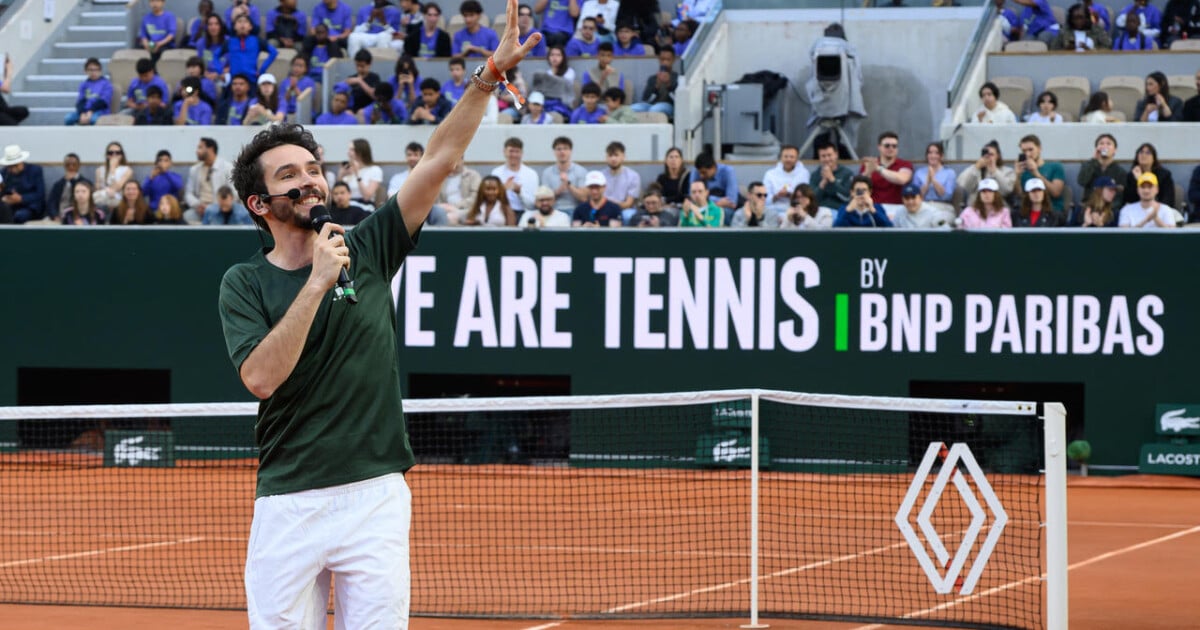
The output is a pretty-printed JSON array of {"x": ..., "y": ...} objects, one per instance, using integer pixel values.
[{"x": 248, "y": 176}]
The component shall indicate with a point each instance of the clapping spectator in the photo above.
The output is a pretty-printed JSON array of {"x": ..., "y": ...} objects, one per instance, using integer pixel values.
[
  {"x": 1035, "y": 210},
  {"x": 990, "y": 164},
  {"x": 1047, "y": 111},
  {"x": 95, "y": 94},
  {"x": 935, "y": 180},
  {"x": 992, "y": 109},
  {"x": 83, "y": 209},
  {"x": 1158, "y": 105},
  {"x": 1102, "y": 164},
  {"x": 1082, "y": 33},
  {"x": 1148, "y": 211},
  {"x": 987, "y": 209},
  {"x": 1098, "y": 210},
  {"x": 132, "y": 209},
  {"x": 755, "y": 212},
  {"x": 830, "y": 181},
  {"x": 363, "y": 82},
  {"x": 698, "y": 209},
  {"x": 785, "y": 177},
  {"x": 888, "y": 172},
  {"x": 1098, "y": 109},
  {"x": 1146, "y": 161},
  {"x": 518, "y": 179},
  {"x": 804, "y": 213},
  {"x": 491, "y": 205}
]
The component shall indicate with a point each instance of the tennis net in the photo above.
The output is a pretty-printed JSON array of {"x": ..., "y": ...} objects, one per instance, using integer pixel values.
[{"x": 734, "y": 503}]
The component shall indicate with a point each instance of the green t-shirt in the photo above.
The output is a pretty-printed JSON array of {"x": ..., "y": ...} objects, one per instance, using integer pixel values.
[
  {"x": 338, "y": 417},
  {"x": 714, "y": 216},
  {"x": 1051, "y": 171}
]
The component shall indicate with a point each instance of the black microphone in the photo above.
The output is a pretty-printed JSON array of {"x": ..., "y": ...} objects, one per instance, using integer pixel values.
[
  {"x": 345, "y": 286},
  {"x": 292, "y": 194}
]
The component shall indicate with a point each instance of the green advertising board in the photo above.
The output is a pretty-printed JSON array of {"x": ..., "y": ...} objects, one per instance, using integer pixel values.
[{"x": 1170, "y": 459}]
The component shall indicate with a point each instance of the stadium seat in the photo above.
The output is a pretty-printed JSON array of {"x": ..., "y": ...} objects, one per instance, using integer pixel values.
[
  {"x": 1185, "y": 44},
  {"x": 383, "y": 53},
  {"x": 172, "y": 65},
  {"x": 504, "y": 118},
  {"x": 188, "y": 28},
  {"x": 1068, "y": 117},
  {"x": 1072, "y": 92},
  {"x": 498, "y": 22},
  {"x": 282, "y": 64},
  {"x": 122, "y": 70},
  {"x": 1119, "y": 115},
  {"x": 1026, "y": 46},
  {"x": 114, "y": 120},
  {"x": 456, "y": 24},
  {"x": 1124, "y": 91},
  {"x": 1060, "y": 14},
  {"x": 1182, "y": 85},
  {"x": 652, "y": 117},
  {"x": 484, "y": 21},
  {"x": 556, "y": 118},
  {"x": 1014, "y": 92}
]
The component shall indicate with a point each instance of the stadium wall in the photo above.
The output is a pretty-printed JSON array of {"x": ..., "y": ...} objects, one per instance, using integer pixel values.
[{"x": 634, "y": 311}]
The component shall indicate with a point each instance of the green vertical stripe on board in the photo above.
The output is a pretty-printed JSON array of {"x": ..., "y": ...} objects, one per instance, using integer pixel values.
[{"x": 841, "y": 337}]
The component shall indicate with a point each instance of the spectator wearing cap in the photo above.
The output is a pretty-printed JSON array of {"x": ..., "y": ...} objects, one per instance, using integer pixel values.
[
  {"x": 537, "y": 114},
  {"x": 917, "y": 214},
  {"x": 1035, "y": 209},
  {"x": 23, "y": 197},
  {"x": 987, "y": 209},
  {"x": 266, "y": 107},
  {"x": 474, "y": 39},
  {"x": 1098, "y": 210},
  {"x": 544, "y": 214},
  {"x": 598, "y": 210},
  {"x": 338, "y": 113},
  {"x": 1102, "y": 164},
  {"x": 755, "y": 212},
  {"x": 861, "y": 210},
  {"x": 135, "y": 96},
  {"x": 377, "y": 25},
  {"x": 233, "y": 109},
  {"x": 1148, "y": 212}
]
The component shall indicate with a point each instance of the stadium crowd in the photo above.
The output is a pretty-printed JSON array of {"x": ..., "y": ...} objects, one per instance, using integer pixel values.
[{"x": 227, "y": 84}]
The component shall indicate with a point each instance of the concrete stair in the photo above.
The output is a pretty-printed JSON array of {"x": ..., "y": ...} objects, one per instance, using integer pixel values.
[{"x": 49, "y": 91}]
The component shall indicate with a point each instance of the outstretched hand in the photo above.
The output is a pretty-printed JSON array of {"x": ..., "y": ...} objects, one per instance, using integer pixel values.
[{"x": 509, "y": 52}]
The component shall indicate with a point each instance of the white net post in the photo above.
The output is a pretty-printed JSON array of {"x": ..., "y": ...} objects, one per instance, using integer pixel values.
[
  {"x": 754, "y": 467},
  {"x": 1055, "y": 426}
]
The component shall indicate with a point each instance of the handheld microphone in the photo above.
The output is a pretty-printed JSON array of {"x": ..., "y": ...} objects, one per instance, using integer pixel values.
[{"x": 345, "y": 286}]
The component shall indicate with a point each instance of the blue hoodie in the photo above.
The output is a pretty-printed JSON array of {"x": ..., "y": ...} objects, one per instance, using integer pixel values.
[{"x": 241, "y": 56}]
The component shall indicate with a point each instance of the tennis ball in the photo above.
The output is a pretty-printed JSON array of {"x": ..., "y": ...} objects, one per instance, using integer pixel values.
[{"x": 1079, "y": 450}]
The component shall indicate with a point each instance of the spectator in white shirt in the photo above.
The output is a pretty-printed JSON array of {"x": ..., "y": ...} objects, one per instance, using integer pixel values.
[
  {"x": 782, "y": 180},
  {"x": 1148, "y": 212},
  {"x": 519, "y": 180}
]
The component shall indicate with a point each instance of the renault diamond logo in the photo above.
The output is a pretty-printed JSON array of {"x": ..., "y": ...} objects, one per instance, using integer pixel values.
[{"x": 945, "y": 583}]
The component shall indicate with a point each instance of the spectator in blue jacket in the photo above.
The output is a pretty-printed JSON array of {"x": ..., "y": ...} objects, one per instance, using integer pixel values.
[
  {"x": 239, "y": 54},
  {"x": 158, "y": 30},
  {"x": 862, "y": 211},
  {"x": 24, "y": 191},
  {"x": 95, "y": 96},
  {"x": 1038, "y": 21},
  {"x": 720, "y": 180},
  {"x": 162, "y": 181}
]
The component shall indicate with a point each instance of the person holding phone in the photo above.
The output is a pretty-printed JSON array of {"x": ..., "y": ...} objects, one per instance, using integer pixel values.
[{"x": 862, "y": 211}]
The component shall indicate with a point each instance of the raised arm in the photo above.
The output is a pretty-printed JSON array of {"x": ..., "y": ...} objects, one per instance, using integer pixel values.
[{"x": 449, "y": 141}]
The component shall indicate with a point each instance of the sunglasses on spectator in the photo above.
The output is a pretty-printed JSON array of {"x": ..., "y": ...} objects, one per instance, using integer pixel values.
[
  {"x": 889, "y": 145},
  {"x": 115, "y": 152},
  {"x": 761, "y": 195}
]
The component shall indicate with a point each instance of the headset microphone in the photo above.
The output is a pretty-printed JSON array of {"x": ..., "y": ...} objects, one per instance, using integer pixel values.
[
  {"x": 320, "y": 216},
  {"x": 292, "y": 194}
]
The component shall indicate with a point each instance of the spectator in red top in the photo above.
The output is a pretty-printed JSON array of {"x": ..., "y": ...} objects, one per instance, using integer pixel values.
[{"x": 888, "y": 173}]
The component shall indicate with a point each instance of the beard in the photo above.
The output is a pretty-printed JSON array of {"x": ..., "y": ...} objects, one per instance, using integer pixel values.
[{"x": 284, "y": 211}]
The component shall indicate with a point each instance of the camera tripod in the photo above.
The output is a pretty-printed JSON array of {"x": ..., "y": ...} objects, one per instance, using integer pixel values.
[{"x": 830, "y": 125}]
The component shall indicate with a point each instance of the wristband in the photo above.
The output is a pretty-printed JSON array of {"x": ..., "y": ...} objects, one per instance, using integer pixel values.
[{"x": 518, "y": 100}]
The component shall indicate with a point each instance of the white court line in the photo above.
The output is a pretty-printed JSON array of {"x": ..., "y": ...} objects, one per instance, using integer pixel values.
[
  {"x": 98, "y": 552},
  {"x": 1036, "y": 578},
  {"x": 547, "y": 626}
]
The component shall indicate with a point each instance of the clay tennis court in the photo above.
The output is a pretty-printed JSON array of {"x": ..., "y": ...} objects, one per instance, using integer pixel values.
[{"x": 1133, "y": 543}]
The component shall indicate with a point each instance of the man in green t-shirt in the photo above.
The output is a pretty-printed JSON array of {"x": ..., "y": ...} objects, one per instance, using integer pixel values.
[
  {"x": 333, "y": 447},
  {"x": 1030, "y": 165}
]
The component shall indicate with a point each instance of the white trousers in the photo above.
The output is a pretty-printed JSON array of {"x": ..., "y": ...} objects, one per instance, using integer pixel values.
[{"x": 357, "y": 533}]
